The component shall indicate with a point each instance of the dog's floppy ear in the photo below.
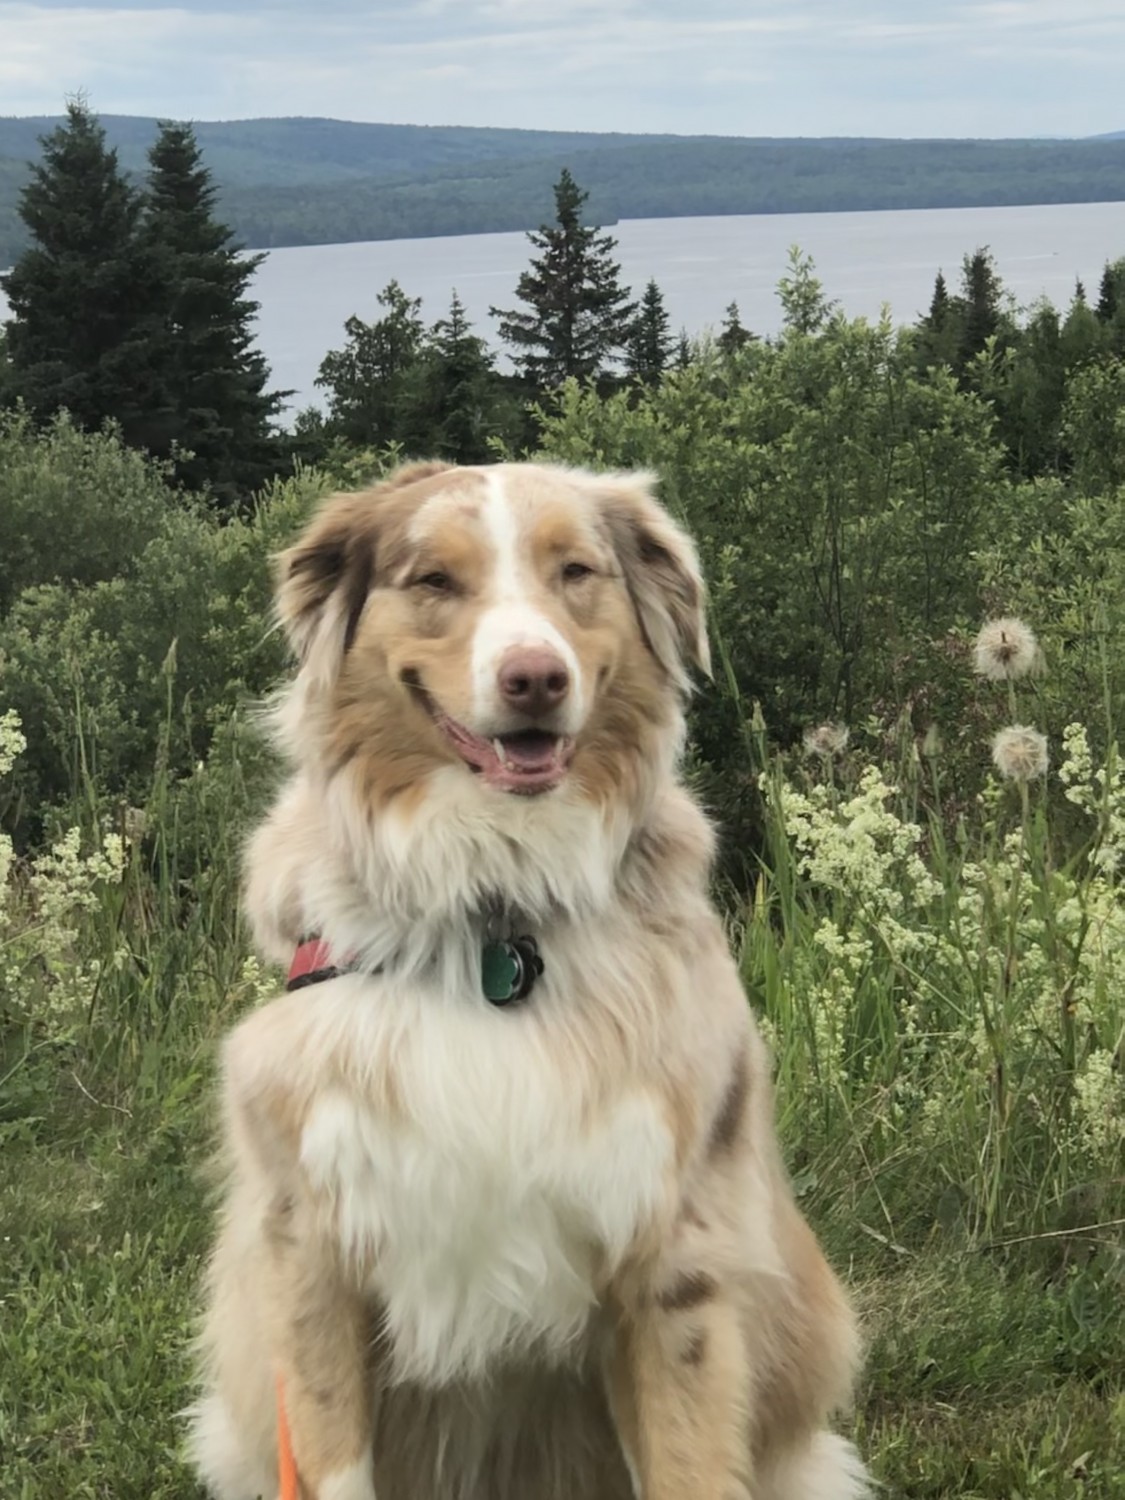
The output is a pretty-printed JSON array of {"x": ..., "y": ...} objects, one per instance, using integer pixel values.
[
  {"x": 661, "y": 570},
  {"x": 324, "y": 579}
]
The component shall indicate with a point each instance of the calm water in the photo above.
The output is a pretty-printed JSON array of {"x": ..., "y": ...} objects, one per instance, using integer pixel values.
[{"x": 864, "y": 260}]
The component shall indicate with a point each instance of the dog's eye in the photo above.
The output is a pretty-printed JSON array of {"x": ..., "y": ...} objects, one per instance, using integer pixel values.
[
  {"x": 436, "y": 583},
  {"x": 573, "y": 571}
]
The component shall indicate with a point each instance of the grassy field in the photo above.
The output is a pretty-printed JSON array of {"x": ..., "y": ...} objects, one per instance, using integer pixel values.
[{"x": 947, "y": 1020}]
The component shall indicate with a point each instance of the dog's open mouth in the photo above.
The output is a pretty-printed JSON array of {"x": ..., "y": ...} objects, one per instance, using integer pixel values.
[
  {"x": 528, "y": 760},
  {"x": 523, "y": 760}
]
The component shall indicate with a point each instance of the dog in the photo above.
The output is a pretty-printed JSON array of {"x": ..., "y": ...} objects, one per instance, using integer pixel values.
[{"x": 505, "y": 1215}]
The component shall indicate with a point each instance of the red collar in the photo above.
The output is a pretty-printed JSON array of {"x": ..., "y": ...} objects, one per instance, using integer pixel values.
[
  {"x": 312, "y": 962},
  {"x": 508, "y": 969}
]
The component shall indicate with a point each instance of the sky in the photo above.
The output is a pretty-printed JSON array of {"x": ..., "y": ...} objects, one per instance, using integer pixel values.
[{"x": 715, "y": 67}]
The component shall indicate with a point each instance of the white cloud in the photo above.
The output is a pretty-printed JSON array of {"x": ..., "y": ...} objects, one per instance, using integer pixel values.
[{"x": 750, "y": 67}]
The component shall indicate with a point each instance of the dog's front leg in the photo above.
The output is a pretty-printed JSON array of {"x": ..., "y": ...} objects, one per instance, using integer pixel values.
[
  {"x": 321, "y": 1342},
  {"x": 679, "y": 1387}
]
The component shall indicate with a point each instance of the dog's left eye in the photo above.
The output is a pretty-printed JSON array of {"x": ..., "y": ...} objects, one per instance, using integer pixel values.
[
  {"x": 573, "y": 571},
  {"x": 437, "y": 583}
]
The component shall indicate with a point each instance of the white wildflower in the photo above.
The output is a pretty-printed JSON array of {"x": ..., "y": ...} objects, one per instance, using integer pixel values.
[
  {"x": 825, "y": 740},
  {"x": 1020, "y": 753},
  {"x": 1004, "y": 650},
  {"x": 12, "y": 741},
  {"x": 1100, "y": 1093}
]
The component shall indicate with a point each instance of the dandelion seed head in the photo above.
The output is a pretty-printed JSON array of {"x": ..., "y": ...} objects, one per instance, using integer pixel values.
[
  {"x": 825, "y": 740},
  {"x": 1019, "y": 753},
  {"x": 1004, "y": 650}
]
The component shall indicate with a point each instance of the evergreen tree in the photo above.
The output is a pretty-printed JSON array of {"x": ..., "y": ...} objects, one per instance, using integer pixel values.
[
  {"x": 214, "y": 379},
  {"x": 733, "y": 336},
  {"x": 650, "y": 346},
  {"x": 940, "y": 331},
  {"x": 1028, "y": 398},
  {"x": 372, "y": 383},
  {"x": 1082, "y": 337},
  {"x": 462, "y": 391},
  {"x": 1110, "y": 310},
  {"x": 938, "y": 315},
  {"x": 580, "y": 315},
  {"x": 684, "y": 351},
  {"x": 7, "y": 390},
  {"x": 981, "y": 291},
  {"x": 805, "y": 308},
  {"x": 85, "y": 297}
]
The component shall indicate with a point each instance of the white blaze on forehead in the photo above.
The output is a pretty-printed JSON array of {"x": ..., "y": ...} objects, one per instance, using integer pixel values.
[{"x": 511, "y": 618}]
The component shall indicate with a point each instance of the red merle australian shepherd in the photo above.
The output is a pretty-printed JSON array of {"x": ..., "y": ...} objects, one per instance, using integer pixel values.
[{"x": 505, "y": 1216}]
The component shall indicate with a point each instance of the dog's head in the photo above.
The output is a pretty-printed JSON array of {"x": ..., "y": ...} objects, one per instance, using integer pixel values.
[{"x": 532, "y": 626}]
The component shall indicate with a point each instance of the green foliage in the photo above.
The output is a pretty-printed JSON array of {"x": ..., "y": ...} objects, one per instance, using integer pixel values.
[
  {"x": 1110, "y": 310},
  {"x": 434, "y": 393},
  {"x": 650, "y": 344},
  {"x": 1094, "y": 424},
  {"x": 837, "y": 497},
  {"x": 217, "y": 418},
  {"x": 136, "y": 637},
  {"x": 953, "y": 1003},
  {"x": 467, "y": 405},
  {"x": 732, "y": 335},
  {"x": 84, "y": 297},
  {"x": 371, "y": 382},
  {"x": 580, "y": 316},
  {"x": 74, "y": 507},
  {"x": 131, "y": 308}
]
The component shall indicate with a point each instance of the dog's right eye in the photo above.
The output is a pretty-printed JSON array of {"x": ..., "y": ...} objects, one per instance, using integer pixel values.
[{"x": 436, "y": 583}]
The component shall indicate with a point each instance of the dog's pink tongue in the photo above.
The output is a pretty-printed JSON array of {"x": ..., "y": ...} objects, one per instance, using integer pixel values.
[{"x": 532, "y": 761}]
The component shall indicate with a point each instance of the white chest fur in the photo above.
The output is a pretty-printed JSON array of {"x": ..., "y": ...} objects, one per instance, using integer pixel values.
[{"x": 487, "y": 1205}]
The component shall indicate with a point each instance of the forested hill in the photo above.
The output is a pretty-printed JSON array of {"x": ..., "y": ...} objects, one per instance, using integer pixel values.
[{"x": 298, "y": 181}]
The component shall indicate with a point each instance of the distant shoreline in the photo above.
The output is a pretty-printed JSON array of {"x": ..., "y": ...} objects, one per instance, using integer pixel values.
[{"x": 287, "y": 183}]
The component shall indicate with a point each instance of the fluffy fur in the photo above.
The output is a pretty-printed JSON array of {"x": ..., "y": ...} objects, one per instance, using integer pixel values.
[{"x": 531, "y": 1253}]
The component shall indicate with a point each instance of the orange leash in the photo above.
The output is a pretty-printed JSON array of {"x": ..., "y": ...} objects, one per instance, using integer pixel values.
[{"x": 286, "y": 1463}]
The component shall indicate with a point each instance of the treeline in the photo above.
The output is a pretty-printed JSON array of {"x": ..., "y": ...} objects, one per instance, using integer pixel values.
[
  {"x": 862, "y": 494},
  {"x": 686, "y": 179},
  {"x": 294, "y": 182}
]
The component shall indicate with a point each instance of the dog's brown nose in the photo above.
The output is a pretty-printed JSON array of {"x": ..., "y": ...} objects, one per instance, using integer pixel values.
[{"x": 533, "y": 679}]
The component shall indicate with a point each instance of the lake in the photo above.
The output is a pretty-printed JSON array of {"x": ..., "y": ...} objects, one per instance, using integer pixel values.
[
  {"x": 701, "y": 265},
  {"x": 864, "y": 260}
]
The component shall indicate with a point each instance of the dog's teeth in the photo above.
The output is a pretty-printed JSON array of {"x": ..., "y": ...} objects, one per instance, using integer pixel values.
[{"x": 501, "y": 754}]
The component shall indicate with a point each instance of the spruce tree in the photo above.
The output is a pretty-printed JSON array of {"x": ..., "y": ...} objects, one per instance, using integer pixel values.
[
  {"x": 650, "y": 346},
  {"x": 940, "y": 332},
  {"x": 981, "y": 291},
  {"x": 217, "y": 409},
  {"x": 939, "y": 304},
  {"x": 1111, "y": 292},
  {"x": 733, "y": 336},
  {"x": 461, "y": 389},
  {"x": 580, "y": 315},
  {"x": 85, "y": 296},
  {"x": 372, "y": 382}
]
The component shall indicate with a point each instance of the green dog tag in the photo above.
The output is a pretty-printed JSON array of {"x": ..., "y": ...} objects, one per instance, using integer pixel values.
[{"x": 501, "y": 973}]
